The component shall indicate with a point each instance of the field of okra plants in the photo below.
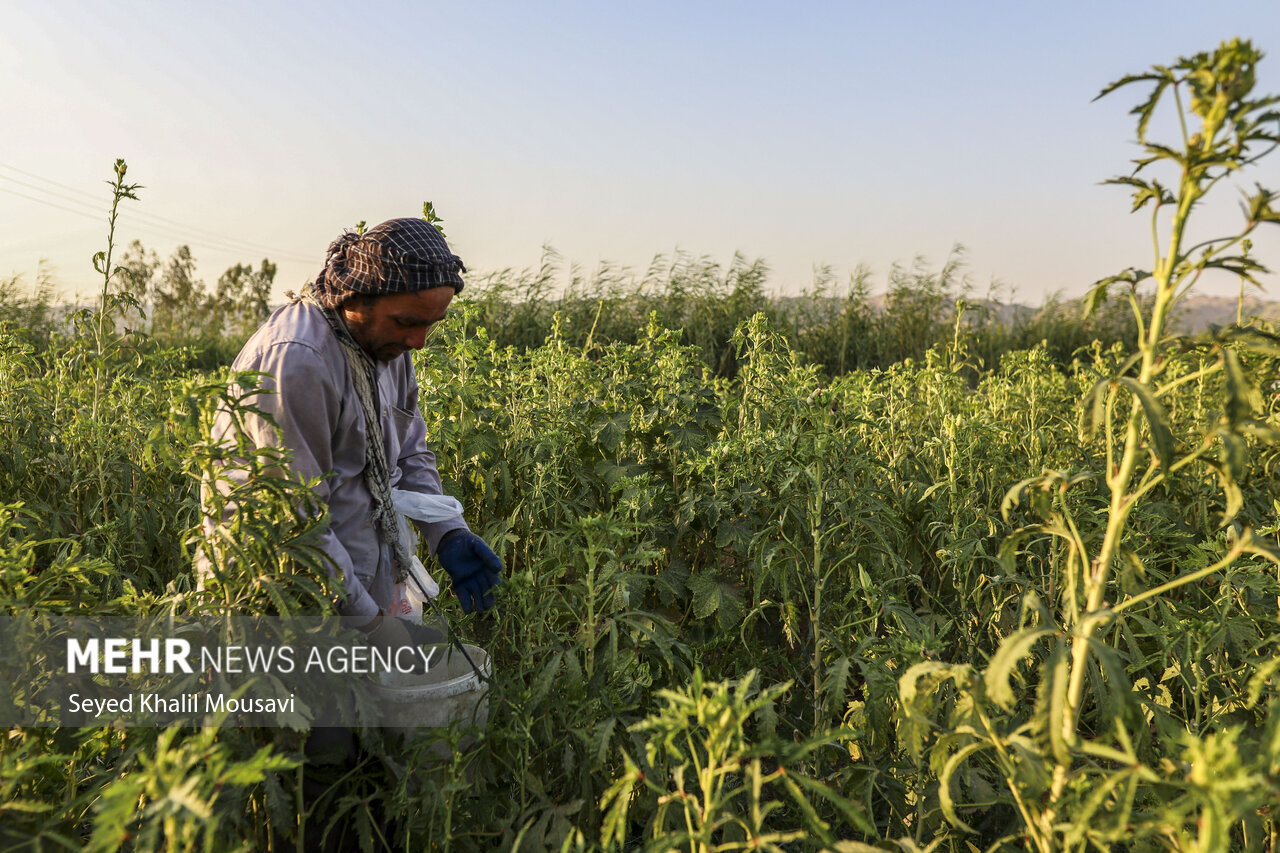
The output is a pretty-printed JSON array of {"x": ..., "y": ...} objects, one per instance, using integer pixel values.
[{"x": 753, "y": 600}]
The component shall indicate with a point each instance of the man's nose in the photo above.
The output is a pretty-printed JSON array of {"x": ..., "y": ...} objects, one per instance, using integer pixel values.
[{"x": 416, "y": 339}]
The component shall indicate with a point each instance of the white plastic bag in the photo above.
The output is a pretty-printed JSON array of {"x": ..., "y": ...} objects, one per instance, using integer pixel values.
[
  {"x": 407, "y": 601},
  {"x": 428, "y": 508}
]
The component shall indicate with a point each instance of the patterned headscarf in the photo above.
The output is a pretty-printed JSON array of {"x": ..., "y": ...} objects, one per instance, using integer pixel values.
[{"x": 398, "y": 256}]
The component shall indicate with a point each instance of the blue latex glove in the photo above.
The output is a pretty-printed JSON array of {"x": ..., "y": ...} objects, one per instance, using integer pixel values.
[{"x": 472, "y": 565}]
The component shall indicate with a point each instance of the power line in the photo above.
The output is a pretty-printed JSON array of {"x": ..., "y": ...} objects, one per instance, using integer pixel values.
[
  {"x": 97, "y": 217},
  {"x": 153, "y": 223},
  {"x": 41, "y": 189},
  {"x": 77, "y": 190},
  {"x": 156, "y": 219},
  {"x": 52, "y": 204}
]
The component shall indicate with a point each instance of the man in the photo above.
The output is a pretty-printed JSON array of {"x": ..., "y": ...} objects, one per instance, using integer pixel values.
[{"x": 346, "y": 406}]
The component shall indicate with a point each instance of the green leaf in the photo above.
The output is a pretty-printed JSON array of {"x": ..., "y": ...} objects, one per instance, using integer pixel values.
[
  {"x": 1250, "y": 543},
  {"x": 614, "y": 803},
  {"x": 851, "y": 811},
  {"x": 1057, "y": 674},
  {"x": 1259, "y": 680},
  {"x": 1257, "y": 207},
  {"x": 714, "y": 596},
  {"x": 916, "y": 688},
  {"x": 1144, "y": 191},
  {"x": 1161, "y": 76},
  {"x": 944, "y": 784},
  {"x": 817, "y": 825},
  {"x": 1083, "y": 821},
  {"x": 429, "y": 214},
  {"x": 1114, "y": 687},
  {"x": 1008, "y": 554},
  {"x": 601, "y": 739},
  {"x": 1013, "y": 649},
  {"x": 1242, "y": 395},
  {"x": 542, "y": 681},
  {"x": 1160, "y": 152},
  {"x": 1014, "y": 496},
  {"x": 1131, "y": 569},
  {"x": 1157, "y": 419},
  {"x": 1094, "y": 409},
  {"x": 1098, "y": 293},
  {"x": 1237, "y": 265},
  {"x": 835, "y": 680},
  {"x": 1250, "y": 338}
]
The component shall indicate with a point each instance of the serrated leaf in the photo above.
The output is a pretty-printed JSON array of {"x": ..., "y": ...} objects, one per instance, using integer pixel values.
[
  {"x": 944, "y": 784},
  {"x": 1057, "y": 674},
  {"x": 1000, "y": 668},
  {"x": 850, "y": 810},
  {"x": 1250, "y": 543},
  {"x": 674, "y": 579},
  {"x": 1094, "y": 409},
  {"x": 1237, "y": 265},
  {"x": 835, "y": 680},
  {"x": 1097, "y": 295},
  {"x": 915, "y": 694},
  {"x": 1008, "y": 555},
  {"x": 601, "y": 738},
  {"x": 1014, "y": 496},
  {"x": 1230, "y": 467},
  {"x": 1157, "y": 419},
  {"x": 1257, "y": 207},
  {"x": 714, "y": 596},
  {"x": 1258, "y": 681},
  {"x": 1131, "y": 568},
  {"x": 1251, "y": 338},
  {"x": 1241, "y": 394},
  {"x": 542, "y": 681},
  {"x": 1144, "y": 191},
  {"x": 1162, "y": 77}
]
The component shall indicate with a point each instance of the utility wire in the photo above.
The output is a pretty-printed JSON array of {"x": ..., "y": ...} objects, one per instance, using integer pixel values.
[
  {"x": 50, "y": 203},
  {"x": 50, "y": 192},
  {"x": 144, "y": 226},
  {"x": 156, "y": 219},
  {"x": 153, "y": 223}
]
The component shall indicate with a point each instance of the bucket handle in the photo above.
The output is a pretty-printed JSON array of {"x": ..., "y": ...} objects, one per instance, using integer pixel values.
[{"x": 453, "y": 637}]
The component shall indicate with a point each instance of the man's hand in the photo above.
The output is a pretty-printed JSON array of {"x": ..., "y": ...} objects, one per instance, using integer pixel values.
[{"x": 474, "y": 567}]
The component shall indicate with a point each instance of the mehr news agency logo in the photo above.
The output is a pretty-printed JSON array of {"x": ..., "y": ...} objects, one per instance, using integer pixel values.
[{"x": 174, "y": 656}]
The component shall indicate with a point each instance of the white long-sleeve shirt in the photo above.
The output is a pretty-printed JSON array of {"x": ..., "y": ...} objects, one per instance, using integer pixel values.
[{"x": 320, "y": 421}]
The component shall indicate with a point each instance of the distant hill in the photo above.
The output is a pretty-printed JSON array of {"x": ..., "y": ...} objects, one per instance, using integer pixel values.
[
  {"x": 1199, "y": 313},
  {"x": 1194, "y": 315}
]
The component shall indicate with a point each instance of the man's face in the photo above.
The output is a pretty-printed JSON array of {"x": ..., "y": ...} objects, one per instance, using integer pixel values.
[{"x": 388, "y": 326}]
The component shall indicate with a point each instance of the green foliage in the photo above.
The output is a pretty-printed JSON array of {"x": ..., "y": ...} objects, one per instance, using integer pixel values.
[
  {"x": 704, "y": 785},
  {"x": 1086, "y": 750},
  {"x": 768, "y": 586},
  {"x": 178, "y": 309},
  {"x": 30, "y": 315},
  {"x": 841, "y": 329}
]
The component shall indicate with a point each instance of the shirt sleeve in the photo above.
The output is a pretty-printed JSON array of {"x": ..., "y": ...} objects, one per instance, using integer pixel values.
[
  {"x": 306, "y": 405},
  {"x": 418, "y": 472}
]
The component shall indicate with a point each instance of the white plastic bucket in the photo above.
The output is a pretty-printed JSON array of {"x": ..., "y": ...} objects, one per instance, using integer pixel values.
[{"x": 448, "y": 693}]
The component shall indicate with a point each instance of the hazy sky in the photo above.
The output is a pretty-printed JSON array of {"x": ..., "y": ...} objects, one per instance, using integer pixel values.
[{"x": 845, "y": 134}]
